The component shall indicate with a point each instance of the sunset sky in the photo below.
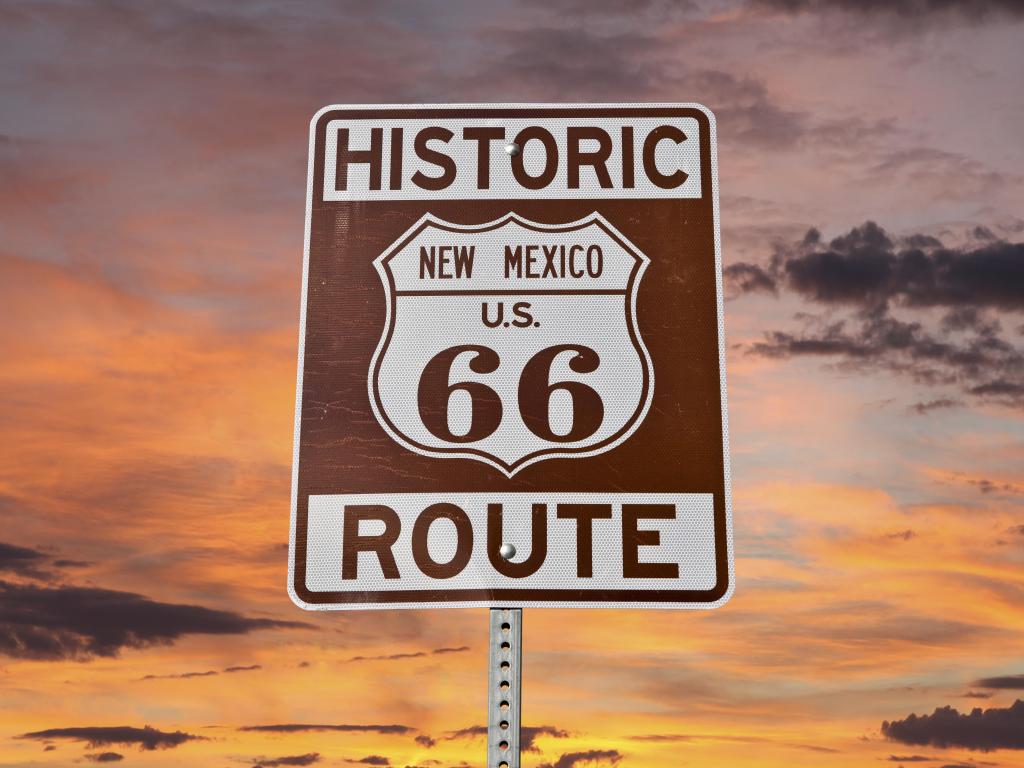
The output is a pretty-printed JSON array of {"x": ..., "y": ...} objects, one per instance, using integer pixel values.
[{"x": 152, "y": 183}]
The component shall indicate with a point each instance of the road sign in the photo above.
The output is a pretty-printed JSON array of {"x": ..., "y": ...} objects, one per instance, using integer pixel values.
[{"x": 511, "y": 380}]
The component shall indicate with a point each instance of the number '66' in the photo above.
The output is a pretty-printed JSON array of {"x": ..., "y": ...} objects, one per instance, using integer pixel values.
[{"x": 535, "y": 391}]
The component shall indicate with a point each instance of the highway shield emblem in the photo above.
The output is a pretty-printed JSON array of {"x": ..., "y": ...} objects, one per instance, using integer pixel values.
[{"x": 511, "y": 342}]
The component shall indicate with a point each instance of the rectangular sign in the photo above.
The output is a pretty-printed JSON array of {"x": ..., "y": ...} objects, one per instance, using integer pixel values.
[{"x": 511, "y": 383}]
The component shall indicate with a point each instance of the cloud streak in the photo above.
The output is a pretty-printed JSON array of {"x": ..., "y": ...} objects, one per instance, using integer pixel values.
[
  {"x": 339, "y": 728},
  {"x": 1004, "y": 682},
  {"x": 146, "y": 738},
  {"x": 412, "y": 654},
  {"x": 276, "y": 762},
  {"x": 208, "y": 673},
  {"x": 590, "y": 756}
]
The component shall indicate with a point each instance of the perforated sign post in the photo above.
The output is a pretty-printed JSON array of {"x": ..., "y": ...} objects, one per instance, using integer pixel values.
[{"x": 511, "y": 383}]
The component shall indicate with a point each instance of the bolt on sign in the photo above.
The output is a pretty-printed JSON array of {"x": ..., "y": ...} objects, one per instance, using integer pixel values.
[{"x": 511, "y": 382}]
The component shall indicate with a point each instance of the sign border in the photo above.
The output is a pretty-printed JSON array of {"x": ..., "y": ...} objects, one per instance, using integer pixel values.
[{"x": 489, "y": 598}]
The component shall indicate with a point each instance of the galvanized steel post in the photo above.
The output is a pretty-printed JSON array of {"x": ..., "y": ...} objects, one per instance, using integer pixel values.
[{"x": 504, "y": 687}]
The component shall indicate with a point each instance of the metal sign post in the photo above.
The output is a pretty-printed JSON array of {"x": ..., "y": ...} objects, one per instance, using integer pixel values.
[
  {"x": 504, "y": 686},
  {"x": 511, "y": 341}
]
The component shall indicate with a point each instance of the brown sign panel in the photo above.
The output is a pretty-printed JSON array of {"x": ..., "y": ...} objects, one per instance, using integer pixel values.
[{"x": 511, "y": 371}]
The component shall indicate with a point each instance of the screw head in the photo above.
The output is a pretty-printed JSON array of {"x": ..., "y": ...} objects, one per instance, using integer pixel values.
[
  {"x": 512, "y": 149},
  {"x": 507, "y": 551}
]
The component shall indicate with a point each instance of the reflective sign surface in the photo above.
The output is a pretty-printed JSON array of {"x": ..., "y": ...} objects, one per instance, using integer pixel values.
[{"x": 511, "y": 335}]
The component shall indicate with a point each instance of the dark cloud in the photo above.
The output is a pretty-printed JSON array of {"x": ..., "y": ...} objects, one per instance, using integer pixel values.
[
  {"x": 69, "y": 622},
  {"x": 869, "y": 267},
  {"x": 884, "y": 342},
  {"x": 105, "y": 757},
  {"x": 999, "y": 388},
  {"x": 307, "y": 759},
  {"x": 146, "y": 738},
  {"x": 906, "y": 535},
  {"x": 343, "y": 728},
  {"x": 982, "y": 730},
  {"x": 592, "y": 756},
  {"x": 909, "y": 759},
  {"x": 248, "y": 668},
  {"x": 750, "y": 278},
  {"x": 370, "y": 760},
  {"x": 181, "y": 676},
  {"x": 426, "y": 741},
  {"x": 34, "y": 564},
  {"x": 391, "y": 656},
  {"x": 817, "y": 748},
  {"x": 968, "y": 10},
  {"x": 977, "y": 695},
  {"x": 869, "y": 274},
  {"x": 1004, "y": 682},
  {"x": 469, "y": 732},
  {"x": 941, "y": 404},
  {"x": 21, "y": 561},
  {"x": 852, "y": 270},
  {"x": 528, "y": 734},
  {"x": 985, "y": 485}
]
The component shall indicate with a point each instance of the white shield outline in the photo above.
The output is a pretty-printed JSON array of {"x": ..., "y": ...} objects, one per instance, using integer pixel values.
[{"x": 387, "y": 279}]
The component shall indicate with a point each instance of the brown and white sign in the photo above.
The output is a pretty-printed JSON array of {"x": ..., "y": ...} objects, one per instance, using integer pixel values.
[{"x": 511, "y": 335}]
